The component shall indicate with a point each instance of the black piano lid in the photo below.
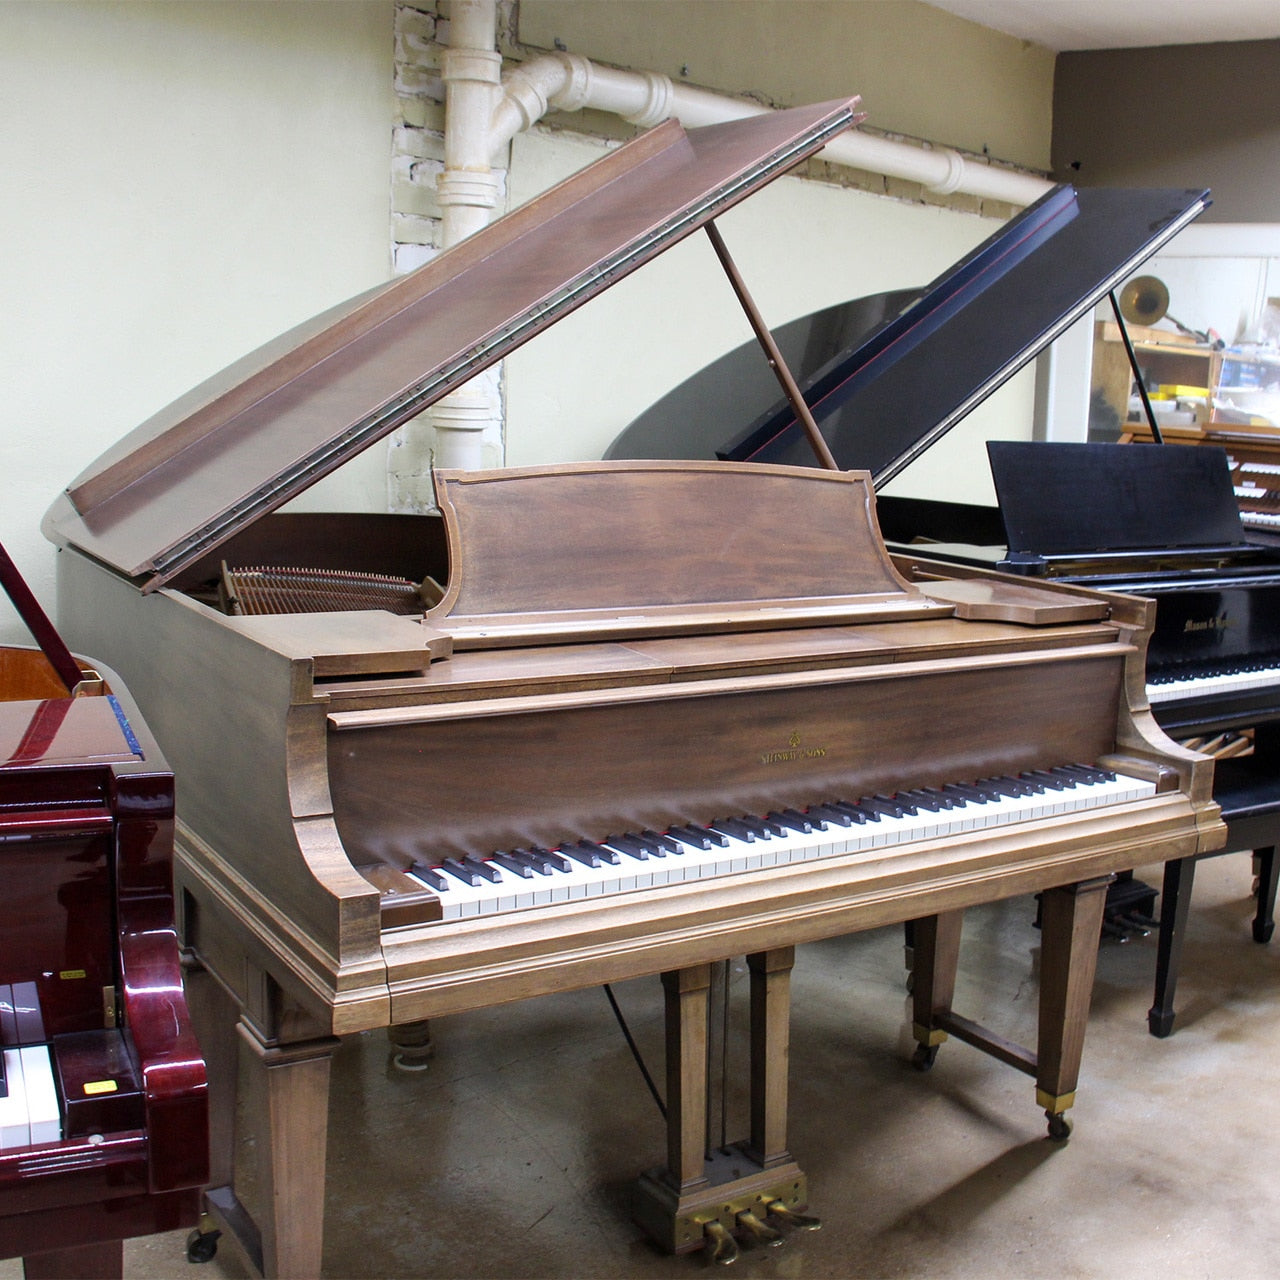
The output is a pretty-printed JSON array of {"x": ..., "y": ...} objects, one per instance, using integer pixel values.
[
  {"x": 884, "y": 400},
  {"x": 1059, "y": 499}
]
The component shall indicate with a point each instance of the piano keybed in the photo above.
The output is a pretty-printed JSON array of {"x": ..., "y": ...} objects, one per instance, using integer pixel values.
[{"x": 518, "y": 878}]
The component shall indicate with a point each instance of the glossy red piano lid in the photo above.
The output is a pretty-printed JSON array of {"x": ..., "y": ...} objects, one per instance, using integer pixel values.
[{"x": 271, "y": 425}]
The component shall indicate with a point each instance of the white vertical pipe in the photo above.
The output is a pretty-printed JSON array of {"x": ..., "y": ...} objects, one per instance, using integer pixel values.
[{"x": 467, "y": 190}]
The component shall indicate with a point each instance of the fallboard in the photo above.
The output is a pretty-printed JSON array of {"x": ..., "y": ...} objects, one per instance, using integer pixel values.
[{"x": 421, "y": 783}]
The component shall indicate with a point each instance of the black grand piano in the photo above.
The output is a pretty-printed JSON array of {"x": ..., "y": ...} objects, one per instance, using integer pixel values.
[
  {"x": 885, "y": 377},
  {"x": 103, "y": 1107}
]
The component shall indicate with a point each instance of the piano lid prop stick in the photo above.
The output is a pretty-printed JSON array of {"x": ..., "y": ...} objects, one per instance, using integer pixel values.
[
  {"x": 1137, "y": 373},
  {"x": 37, "y": 622},
  {"x": 774, "y": 356}
]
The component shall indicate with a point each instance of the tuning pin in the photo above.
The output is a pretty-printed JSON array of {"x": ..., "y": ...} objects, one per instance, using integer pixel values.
[
  {"x": 721, "y": 1247},
  {"x": 758, "y": 1232},
  {"x": 790, "y": 1218}
]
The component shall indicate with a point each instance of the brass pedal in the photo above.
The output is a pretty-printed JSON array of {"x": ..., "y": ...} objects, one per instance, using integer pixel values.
[
  {"x": 790, "y": 1218},
  {"x": 721, "y": 1247},
  {"x": 756, "y": 1232}
]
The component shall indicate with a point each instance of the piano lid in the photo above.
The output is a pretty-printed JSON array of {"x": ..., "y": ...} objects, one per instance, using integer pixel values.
[
  {"x": 272, "y": 424},
  {"x": 890, "y": 393}
]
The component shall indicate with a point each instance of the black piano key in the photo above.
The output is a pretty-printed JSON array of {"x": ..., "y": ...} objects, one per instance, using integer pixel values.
[
  {"x": 762, "y": 828},
  {"x": 1011, "y": 787},
  {"x": 856, "y": 812},
  {"x": 611, "y": 856},
  {"x": 584, "y": 852},
  {"x": 517, "y": 866},
  {"x": 882, "y": 805},
  {"x": 485, "y": 870},
  {"x": 795, "y": 821},
  {"x": 429, "y": 876},
  {"x": 901, "y": 799},
  {"x": 967, "y": 793},
  {"x": 665, "y": 843},
  {"x": 1086, "y": 773},
  {"x": 827, "y": 813},
  {"x": 543, "y": 860},
  {"x": 460, "y": 871},
  {"x": 629, "y": 845},
  {"x": 1046, "y": 779},
  {"x": 735, "y": 828},
  {"x": 932, "y": 801},
  {"x": 698, "y": 837}
]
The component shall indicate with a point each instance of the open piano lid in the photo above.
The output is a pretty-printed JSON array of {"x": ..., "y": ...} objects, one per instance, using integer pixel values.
[
  {"x": 885, "y": 398},
  {"x": 272, "y": 424}
]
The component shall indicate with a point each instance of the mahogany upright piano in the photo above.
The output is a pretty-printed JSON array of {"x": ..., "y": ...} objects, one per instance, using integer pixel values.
[
  {"x": 103, "y": 1108},
  {"x": 591, "y": 721}
]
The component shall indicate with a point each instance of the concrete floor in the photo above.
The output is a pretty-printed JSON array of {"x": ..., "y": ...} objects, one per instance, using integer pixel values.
[{"x": 512, "y": 1155}]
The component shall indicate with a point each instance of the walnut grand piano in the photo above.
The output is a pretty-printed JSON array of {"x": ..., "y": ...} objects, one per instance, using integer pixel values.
[{"x": 657, "y": 714}]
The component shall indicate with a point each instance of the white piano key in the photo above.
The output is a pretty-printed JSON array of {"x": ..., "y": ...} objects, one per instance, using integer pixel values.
[
  {"x": 15, "y": 1125},
  {"x": 41, "y": 1094}
]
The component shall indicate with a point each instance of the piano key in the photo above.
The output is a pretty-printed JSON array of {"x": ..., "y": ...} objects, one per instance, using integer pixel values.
[
  {"x": 15, "y": 1128},
  {"x": 633, "y": 848},
  {"x": 663, "y": 842},
  {"x": 697, "y": 837},
  {"x": 732, "y": 845},
  {"x": 461, "y": 871},
  {"x": 795, "y": 821},
  {"x": 485, "y": 869},
  {"x": 542, "y": 859},
  {"x": 1169, "y": 688},
  {"x": 829, "y": 814},
  {"x": 43, "y": 1114},
  {"x": 735, "y": 828},
  {"x": 429, "y": 876},
  {"x": 515, "y": 865}
]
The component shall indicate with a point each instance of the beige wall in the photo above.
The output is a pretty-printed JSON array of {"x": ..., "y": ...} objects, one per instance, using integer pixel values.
[
  {"x": 181, "y": 182},
  {"x": 920, "y": 71},
  {"x": 1183, "y": 116}
]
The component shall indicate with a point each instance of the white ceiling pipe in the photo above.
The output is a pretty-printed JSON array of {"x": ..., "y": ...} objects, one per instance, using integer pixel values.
[{"x": 569, "y": 82}]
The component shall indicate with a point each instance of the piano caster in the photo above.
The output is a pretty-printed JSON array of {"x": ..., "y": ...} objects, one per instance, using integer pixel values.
[
  {"x": 1059, "y": 1126},
  {"x": 790, "y": 1218},
  {"x": 720, "y": 1246},
  {"x": 924, "y": 1056},
  {"x": 202, "y": 1243},
  {"x": 411, "y": 1046},
  {"x": 755, "y": 1232}
]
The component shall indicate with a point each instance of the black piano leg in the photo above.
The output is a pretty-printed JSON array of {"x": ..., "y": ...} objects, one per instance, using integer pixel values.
[
  {"x": 1264, "y": 922},
  {"x": 1175, "y": 900}
]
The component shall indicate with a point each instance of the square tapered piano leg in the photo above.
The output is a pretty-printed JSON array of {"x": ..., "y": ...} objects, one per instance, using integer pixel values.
[
  {"x": 1070, "y": 925},
  {"x": 703, "y": 1198}
]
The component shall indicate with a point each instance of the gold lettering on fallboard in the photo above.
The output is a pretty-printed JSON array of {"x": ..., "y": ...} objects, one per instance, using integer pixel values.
[{"x": 794, "y": 750}]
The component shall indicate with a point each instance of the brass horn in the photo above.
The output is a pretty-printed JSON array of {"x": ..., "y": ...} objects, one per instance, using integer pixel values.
[{"x": 1144, "y": 300}]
